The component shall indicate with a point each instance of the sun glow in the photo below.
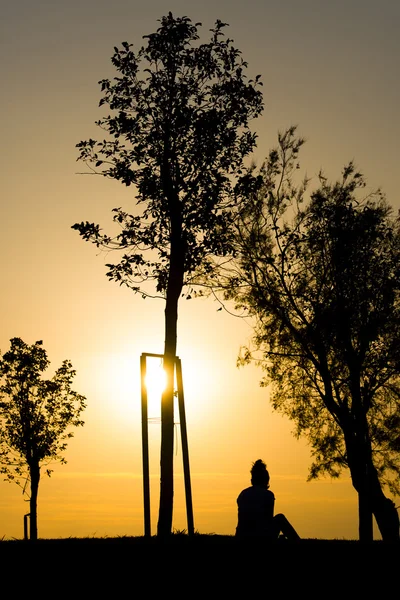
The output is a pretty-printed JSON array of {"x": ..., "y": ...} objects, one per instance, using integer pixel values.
[{"x": 155, "y": 382}]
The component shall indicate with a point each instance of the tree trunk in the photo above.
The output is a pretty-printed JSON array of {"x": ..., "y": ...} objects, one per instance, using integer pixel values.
[
  {"x": 360, "y": 483},
  {"x": 174, "y": 289},
  {"x": 384, "y": 511},
  {"x": 167, "y": 424},
  {"x": 381, "y": 507},
  {"x": 34, "y": 471},
  {"x": 371, "y": 499}
]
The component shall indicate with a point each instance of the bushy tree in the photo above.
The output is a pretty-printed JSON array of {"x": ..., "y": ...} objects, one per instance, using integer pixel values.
[
  {"x": 36, "y": 416},
  {"x": 322, "y": 281},
  {"x": 178, "y": 132}
]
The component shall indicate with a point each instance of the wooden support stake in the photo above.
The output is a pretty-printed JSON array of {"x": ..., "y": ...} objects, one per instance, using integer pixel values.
[
  {"x": 185, "y": 448},
  {"x": 145, "y": 450}
]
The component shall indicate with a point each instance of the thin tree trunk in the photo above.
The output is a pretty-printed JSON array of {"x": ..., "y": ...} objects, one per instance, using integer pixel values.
[
  {"x": 35, "y": 478},
  {"x": 174, "y": 290},
  {"x": 167, "y": 427}
]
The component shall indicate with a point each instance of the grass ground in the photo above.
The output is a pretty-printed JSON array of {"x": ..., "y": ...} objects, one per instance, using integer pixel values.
[{"x": 214, "y": 566}]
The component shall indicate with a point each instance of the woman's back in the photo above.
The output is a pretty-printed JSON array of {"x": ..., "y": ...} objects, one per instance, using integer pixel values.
[{"x": 255, "y": 511}]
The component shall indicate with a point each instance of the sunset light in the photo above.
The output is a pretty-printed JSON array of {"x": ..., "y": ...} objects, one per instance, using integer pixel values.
[
  {"x": 89, "y": 276},
  {"x": 155, "y": 384}
]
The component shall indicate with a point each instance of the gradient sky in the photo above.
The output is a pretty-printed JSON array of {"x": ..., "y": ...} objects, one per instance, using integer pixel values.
[{"x": 329, "y": 67}]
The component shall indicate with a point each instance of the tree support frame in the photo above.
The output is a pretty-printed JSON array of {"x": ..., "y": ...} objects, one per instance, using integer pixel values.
[{"x": 145, "y": 443}]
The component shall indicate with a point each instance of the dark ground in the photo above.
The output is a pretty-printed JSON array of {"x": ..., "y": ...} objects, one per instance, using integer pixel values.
[{"x": 214, "y": 566}]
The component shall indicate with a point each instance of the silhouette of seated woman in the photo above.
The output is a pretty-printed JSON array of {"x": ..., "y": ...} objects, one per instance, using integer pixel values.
[{"x": 256, "y": 517}]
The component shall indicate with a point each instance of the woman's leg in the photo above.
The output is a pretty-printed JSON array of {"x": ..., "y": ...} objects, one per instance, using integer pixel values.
[{"x": 282, "y": 525}]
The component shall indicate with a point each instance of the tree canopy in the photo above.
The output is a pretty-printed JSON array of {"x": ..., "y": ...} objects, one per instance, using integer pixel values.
[
  {"x": 178, "y": 132},
  {"x": 36, "y": 415},
  {"x": 321, "y": 280}
]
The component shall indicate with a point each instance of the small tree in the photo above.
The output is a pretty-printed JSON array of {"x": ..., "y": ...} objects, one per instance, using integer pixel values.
[
  {"x": 35, "y": 415},
  {"x": 178, "y": 132},
  {"x": 322, "y": 281}
]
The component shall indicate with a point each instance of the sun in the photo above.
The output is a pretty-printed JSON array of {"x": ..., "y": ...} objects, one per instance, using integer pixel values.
[{"x": 155, "y": 382}]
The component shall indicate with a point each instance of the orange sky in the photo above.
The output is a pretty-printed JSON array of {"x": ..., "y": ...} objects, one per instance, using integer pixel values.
[{"x": 331, "y": 69}]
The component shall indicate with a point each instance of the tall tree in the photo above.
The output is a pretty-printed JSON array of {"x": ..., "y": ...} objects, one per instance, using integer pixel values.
[
  {"x": 35, "y": 417},
  {"x": 322, "y": 281},
  {"x": 179, "y": 132}
]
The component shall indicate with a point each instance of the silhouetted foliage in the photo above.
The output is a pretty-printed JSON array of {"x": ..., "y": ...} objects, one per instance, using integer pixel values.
[
  {"x": 322, "y": 281},
  {"x": 178, "y": 132},
  {"x": 35, "y": 417}
]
